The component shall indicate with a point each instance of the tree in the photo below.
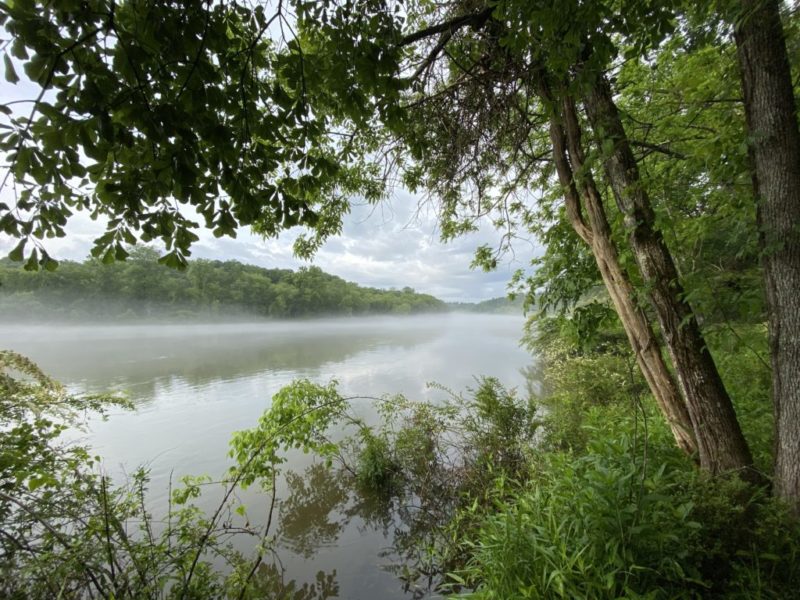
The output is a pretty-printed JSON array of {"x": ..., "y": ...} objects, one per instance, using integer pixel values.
[
  {"x": 774, "y": 142},
  {"x": 720, "y": 440},
  {"x": 458, "y": 90},
  {"x": 478, "y": 84},
  {"x": 597, "y": 234}
]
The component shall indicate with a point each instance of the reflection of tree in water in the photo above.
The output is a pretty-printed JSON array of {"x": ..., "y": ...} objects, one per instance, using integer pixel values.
[
  {"x": 268, "y": 582},
  {"x": 323, "y": 501},
  {"x": 411, "y": 516},
  {"x": 421, "y": 477},
  {"x": 308, "y": 517}
]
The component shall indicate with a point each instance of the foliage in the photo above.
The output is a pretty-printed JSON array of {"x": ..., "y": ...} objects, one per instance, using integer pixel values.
[
  {"x": 425, "y": 462},
  {"x": 34, "y": 412},
  {"x": 299, "y": 416},
  {"x": 609, "y": 508},
  {"x": 69, "y": 532},
  {"x": 501, "y": 305},
  {"x": 583, "y": 369},
  {"x": 740, "y": 349},
  {"x": 56, "y": 510},
  {"x": 588, "y": 498},
  {"x": 603, "y": 526},
  {"x": 577, "y": 373},
  {"x": 139, "y": 288},
  {"x": 376, "y": 468},
  {"x": 135, "y": 124},
  {"x": 689, "y": 133},
  {"x": 433, "y": 447}
]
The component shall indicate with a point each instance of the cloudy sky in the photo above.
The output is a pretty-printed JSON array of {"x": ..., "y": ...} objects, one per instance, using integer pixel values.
[{"x": 390, "y": 245}]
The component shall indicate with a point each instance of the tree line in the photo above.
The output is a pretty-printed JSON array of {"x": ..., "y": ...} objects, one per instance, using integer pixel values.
[
  {"x": 140, "y": 287},
  {"x": 500, "y": 305}
]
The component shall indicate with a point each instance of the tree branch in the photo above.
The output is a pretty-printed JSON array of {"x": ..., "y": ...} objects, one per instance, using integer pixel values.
[
  {"x": 659, "y": 148},
  {"x": 198, "y": 55},
  {"x": 474, "y": 20},
  {"x": 50, "y": 74}
]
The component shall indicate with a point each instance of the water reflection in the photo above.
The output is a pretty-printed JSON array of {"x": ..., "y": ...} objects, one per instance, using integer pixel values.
[
  {"x": 322, "y": 502},
  {"x": 269, "y": 582},
  {"x": 310, "y": 517},
  {"x": 197, "y": 384}
]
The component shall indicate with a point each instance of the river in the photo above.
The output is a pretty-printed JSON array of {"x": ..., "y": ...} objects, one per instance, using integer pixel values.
[{"x": 193, "y": 385}]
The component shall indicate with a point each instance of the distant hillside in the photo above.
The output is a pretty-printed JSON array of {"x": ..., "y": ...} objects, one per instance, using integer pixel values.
[
  {"x": 501, "y": 305},
  {"x": 139, "y": 287}
]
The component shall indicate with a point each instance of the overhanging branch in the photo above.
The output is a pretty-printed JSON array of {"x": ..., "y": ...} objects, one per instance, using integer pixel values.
[{"x": 474, "y": 20}]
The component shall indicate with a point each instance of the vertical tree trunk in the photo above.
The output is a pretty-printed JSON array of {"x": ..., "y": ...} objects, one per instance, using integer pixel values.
[
  {"x": 597, "y": 234},
  {"x": 720, "y": 442},
  {"x": 775, "y": 149}
]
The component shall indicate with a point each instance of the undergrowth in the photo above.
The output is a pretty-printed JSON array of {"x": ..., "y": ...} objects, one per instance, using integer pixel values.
[{"x": 580, "y": 492}]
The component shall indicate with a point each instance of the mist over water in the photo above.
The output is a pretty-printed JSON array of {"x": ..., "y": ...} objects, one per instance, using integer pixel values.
[{"x": 195, "y": 384}]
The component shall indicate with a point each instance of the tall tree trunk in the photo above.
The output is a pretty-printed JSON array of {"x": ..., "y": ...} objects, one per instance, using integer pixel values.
[
  {"x": 720, "y": 442},
  {"x": 775, "y": 149},
  {"x": 640, "y": 333},
  {"x": 597, "y": 234}
]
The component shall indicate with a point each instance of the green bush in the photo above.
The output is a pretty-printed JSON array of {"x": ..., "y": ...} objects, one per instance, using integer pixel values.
[
  {"x": 574, "y": 378},
  {"x": 603, "y": 526},
  {"x": 376, "y": 468},
  {"x": 609, "y": 508},
  {"x": 741, "y": 354}
]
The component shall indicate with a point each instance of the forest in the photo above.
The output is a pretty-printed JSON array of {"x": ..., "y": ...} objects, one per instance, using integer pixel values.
[
  {"x": 652, "y": 150},
  {"x": 141, "y": 288}
]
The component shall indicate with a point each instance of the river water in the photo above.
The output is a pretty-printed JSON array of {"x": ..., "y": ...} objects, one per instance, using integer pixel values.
[{"x": 193, "y": 385}]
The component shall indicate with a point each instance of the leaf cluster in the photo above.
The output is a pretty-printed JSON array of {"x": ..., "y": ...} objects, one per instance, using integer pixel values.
[{"x": 135, "y": 123}]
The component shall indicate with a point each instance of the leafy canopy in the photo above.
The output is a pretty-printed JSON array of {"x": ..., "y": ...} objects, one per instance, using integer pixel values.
[{"x": 147, "y": 108}]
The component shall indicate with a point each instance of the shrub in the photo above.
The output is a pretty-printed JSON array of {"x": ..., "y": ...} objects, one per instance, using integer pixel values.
[
  {"x": 376, "y": 469},
  {"x": 68, "y": 532},
  {"x": 600, "y": 526}
]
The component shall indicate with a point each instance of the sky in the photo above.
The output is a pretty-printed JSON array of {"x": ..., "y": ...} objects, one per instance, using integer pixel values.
[
  {"x": 388, "y": 245},
  {"x": 393, "y": 244}
]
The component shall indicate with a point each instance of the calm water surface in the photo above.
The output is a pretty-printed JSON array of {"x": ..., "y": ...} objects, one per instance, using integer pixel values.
[{"x": 193, "y": 385}]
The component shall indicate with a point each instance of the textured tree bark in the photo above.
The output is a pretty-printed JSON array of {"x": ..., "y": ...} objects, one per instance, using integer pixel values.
[
  {"x": 637, "y": 327},
  {"x": 775, "y": 150},
  {"x": 721, "y": 445},
  {"x": 597, "y": 234}
]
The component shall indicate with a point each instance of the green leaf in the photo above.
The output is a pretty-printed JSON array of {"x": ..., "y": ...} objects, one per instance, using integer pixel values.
[
  {"x": 48, "y": 263},
  {"x": 32, "y": 264},
  {"x": 18, "y": 49},
  {"x": 36, "y": 482},
  {"x": 11, "y": 74},
  {"x": 18, "y": 252},
  {"x": 37, "y": 68},
  {"x": 120, "y": 253}
]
